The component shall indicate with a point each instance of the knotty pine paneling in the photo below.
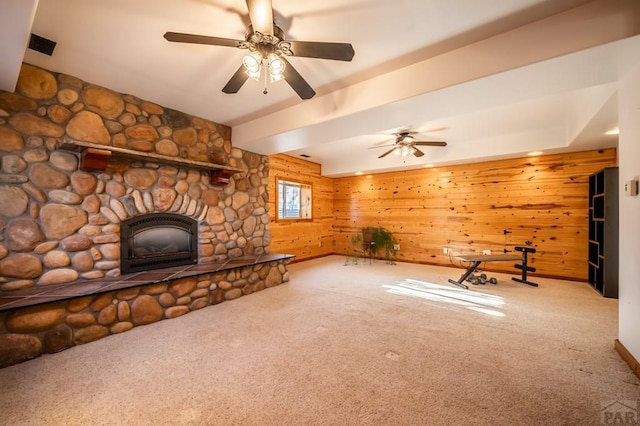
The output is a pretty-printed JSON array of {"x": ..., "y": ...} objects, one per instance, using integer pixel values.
[
  {"x": 496, "y": 205},
  {"x": 305, "y": 239}
]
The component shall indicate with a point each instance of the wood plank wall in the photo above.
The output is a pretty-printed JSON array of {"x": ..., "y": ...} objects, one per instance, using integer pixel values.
[
  {"x": 305, "y": 239},
  {"x": 467, "y": 208},
  {"x": 540, "y": 201}
]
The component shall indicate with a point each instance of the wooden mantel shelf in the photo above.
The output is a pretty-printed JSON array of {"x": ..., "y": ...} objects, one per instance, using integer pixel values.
[
  {"x": 79, "y": 146},
  {"x": 95, "y": 157}
]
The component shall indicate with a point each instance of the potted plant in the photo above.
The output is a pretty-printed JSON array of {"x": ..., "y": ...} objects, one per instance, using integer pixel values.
[{"x": 379, "y": 240}]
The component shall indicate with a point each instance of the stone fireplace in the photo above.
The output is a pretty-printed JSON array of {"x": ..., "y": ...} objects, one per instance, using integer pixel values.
[
  {"x": 66, "y": 225},
  {"x": 63, "y": 216}
]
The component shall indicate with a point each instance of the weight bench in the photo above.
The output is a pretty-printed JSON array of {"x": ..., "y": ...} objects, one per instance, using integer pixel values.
[{"x": 477, "y": 260}]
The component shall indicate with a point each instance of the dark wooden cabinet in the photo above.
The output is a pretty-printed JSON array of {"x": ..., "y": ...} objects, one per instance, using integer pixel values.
[{"x": 603, "y": 231}]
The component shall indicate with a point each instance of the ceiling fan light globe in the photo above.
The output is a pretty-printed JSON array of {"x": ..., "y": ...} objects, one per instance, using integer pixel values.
[
  {"x": 276, "y": 77},
  {"x": 276, "y": 67},
  {"x": 253, "y": 75},
  {"x": 252, "y": 64}
]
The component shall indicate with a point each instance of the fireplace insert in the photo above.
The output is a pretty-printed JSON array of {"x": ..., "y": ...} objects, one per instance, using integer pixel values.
[{"x": 157, "y": 240}]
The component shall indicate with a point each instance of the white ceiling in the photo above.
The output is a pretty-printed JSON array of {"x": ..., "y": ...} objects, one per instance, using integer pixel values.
[{"x": 493, "y": 78}]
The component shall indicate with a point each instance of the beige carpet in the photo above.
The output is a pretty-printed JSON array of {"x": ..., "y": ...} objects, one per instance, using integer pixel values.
[{"x": 345, "y": 345}]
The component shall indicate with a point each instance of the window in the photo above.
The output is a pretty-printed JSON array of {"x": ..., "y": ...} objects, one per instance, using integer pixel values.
[{"x": 294, "y": 200}]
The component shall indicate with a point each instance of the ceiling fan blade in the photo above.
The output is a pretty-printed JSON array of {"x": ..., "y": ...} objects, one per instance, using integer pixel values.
[
  {"x": 236, "y": 81},
  {"x": 417, "y": 152},
  {"x": 388, "y": 152},
  {"x": 297, "y": 83},
  {"x": 381, "y": 146},
  {"x": 200, "y": 39},
  {"x": 322, "y": 50},
  {"x": 261, "y": 15},
  {"x": 429, "y": 143},
  {"x": 386, "y": 142}
]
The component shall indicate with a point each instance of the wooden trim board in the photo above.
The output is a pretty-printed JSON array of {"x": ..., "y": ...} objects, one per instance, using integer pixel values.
[{"x": 628, "y": 357}]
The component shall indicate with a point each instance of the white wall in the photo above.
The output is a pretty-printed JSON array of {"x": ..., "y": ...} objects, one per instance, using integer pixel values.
[
  {"x": 15, "y": 29},
  {"x": 629, "y": 163}
]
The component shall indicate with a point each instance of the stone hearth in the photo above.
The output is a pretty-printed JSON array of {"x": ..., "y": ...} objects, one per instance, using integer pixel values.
[{"x": 50, "y": 319}]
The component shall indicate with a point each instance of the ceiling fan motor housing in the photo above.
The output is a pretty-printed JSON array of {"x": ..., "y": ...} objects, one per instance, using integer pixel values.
[
  {"x": 277, "y": 33},
  {"x": 266, "y": 44}
]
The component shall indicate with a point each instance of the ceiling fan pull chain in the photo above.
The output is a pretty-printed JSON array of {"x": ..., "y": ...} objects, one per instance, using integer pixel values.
[{"x": 265, "y": 82}]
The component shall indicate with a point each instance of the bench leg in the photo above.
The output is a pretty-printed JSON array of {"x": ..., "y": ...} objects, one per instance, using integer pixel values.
[{"x": 466, "y": 275}]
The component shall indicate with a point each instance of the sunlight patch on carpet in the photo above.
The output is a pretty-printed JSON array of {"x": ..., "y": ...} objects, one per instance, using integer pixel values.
[{"x": 478, "y": 302}]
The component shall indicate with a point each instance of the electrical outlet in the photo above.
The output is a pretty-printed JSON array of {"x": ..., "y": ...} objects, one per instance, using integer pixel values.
[
  {"x": 445, "y": 250},
  {"x": 396, "y": 247},
  {"x": 486, "y": 252},
  {"x": 320, "y": 244}
]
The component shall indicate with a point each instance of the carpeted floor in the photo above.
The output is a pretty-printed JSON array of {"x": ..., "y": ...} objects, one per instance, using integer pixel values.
[{"x": 367, "y": 344}]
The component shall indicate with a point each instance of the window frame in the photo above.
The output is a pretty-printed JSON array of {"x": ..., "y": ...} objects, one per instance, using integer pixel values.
[{"x": 300, "y": 184}]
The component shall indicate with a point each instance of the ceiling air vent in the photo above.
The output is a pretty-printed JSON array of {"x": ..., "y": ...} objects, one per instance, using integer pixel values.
[{"x": 41, "y": 44}]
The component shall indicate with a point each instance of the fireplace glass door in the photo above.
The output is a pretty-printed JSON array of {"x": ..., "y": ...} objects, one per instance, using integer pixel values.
[{"x": 157, "y": 240}]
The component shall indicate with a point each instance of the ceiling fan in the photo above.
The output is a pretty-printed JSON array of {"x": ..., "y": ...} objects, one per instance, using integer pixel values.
[
  {"x": 405, "y": 144},
  {"x": 267, "y": 48}
]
